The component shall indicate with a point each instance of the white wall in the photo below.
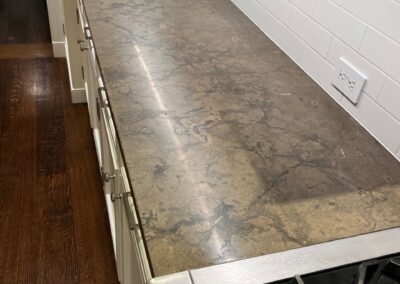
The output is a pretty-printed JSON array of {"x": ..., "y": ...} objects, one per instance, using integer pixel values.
[{"x": 316, "y": 33}]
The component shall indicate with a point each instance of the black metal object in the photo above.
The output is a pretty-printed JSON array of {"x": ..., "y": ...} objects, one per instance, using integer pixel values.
[{"x": 385, "y": 270}]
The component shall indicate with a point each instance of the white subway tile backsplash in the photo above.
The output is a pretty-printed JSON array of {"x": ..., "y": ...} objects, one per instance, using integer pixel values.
[
  {"x": 382, "y": 125},
  {"x": 389, "y": 98},
  {"x": 307, "y": 6},
  {"x": 313, "y": 34},
  {"x": 277, "y": 31},
  {"x": 383, "y": 15},
  {"x": 286, "y": 39},
  {"x": 339, "y": 22},
  {"x": 382, "y": 51},
  {"x": 316, "y": 33},
  {"x": 280, "y": 9},
  {"x": 339, "y": 2},
  {"x": 375, "y": 76},
  {"x": 320, "y": 70}
]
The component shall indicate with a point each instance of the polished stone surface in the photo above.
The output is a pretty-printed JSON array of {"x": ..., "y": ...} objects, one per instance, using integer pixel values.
[{"x": 232, "y": 150}]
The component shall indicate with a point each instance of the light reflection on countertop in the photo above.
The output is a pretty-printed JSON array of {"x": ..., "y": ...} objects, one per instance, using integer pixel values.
[{"x": 232, "y": 150}]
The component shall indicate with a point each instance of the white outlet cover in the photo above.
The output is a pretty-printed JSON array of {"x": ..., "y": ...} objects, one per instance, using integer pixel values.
[{"x": 348, "y": 80}]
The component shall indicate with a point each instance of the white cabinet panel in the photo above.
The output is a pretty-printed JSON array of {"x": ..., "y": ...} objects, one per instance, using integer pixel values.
[
  {"x": 130, "y": 254},
  {"x": 109, "y": 150},
  {"x": 132, "y": 259}
]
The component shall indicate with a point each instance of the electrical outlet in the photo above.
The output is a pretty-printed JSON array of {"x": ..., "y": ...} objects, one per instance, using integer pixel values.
[{"x": 348, "y": 80}]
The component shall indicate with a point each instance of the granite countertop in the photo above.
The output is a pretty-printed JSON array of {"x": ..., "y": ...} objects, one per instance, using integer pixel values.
[{"x": 232, "y": 150}]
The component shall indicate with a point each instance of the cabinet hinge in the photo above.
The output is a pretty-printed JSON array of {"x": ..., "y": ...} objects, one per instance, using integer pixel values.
[
  {"x": 63, "y": 27},
  {"x": 83, "y": 72}
]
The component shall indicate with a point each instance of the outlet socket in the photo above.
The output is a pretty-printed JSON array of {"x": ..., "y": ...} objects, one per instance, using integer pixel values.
[{"x": 348, "y": 80}]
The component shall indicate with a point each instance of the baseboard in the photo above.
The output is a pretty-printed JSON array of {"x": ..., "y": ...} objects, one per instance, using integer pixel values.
[
  {"x": 78, "y": 96},
  {"x": 59, "y": 49}
]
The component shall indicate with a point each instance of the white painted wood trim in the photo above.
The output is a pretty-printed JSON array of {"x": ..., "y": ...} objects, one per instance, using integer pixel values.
[
  {"x": 177, "y": 278},
  {"x": 59, "y": 49},
  {"x": 55, "y": 11},
  {"x": 78, "y": 96},
  {"x": 287, "y": 264}
]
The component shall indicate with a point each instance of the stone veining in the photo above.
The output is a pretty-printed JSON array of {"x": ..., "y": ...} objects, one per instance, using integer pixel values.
[{"x": 232, "y": 150}]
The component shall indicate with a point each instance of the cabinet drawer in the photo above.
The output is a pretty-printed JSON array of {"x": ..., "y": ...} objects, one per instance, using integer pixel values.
[
  {"x": 82, "y": 20},
  {"x": 111, "y": 218},
  {"x": 135, "y": 267},
  {"x": 91, "y": 87},
  {"x": 86, "y": 34},
  {"x": 109, "y": 149}
]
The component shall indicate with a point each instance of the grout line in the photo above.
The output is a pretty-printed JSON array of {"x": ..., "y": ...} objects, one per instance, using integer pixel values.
[
  {"x": 380, "y": 90},
  {"x": 314, "y": 8},
  {"x": 367, "y": 60},
  {"x": 336, "y": 37},
  {"x": 365, "y": 22},
  {"x": 299, "y": 63},
  {"x": 362, "y": 39}
]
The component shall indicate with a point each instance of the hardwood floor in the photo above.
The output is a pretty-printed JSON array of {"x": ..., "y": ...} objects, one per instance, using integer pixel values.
[
  {"x": 23, "y": 21},
  {"x": 25, "y": 51},
  {"x": 53, "y": 222}
]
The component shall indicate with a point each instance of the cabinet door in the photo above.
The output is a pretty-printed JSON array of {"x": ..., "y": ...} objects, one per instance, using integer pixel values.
[{"x": 89, "y": 70}]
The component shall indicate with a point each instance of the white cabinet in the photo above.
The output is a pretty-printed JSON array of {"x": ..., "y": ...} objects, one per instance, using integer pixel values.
[
  {"x": 130, "y": 254},
  {"x": 56, "y": 20},
  {"x": 133, "y": 263},
  {"x": 109, "y": 147},
  {"x": 73, "y": 53}
]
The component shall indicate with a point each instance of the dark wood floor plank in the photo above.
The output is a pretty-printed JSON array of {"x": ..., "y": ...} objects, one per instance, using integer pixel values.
[
  {"x": 26, "y": 51},
  {"x": 38, "y": 23},
  {"x": 4, "y": 9},
  {"x": 24, "y": 21},
  {"x": 51, "y": 130},
  {"x": 4, "y": 13},
  {"x": 18, "y": 22},
  {"x": 91, "y": 231},
  {"x": 58, "y": 234},
  {"x": 54, "y": 227},
  {"x": 18, "y": 177}
]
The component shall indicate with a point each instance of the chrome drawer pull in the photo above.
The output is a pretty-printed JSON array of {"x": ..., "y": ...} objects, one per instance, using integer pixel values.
[
  {"x": 129, "y": 214},
  {"x": 103, "y": 97},
  {"x": 106, "y": 177},
  {"x": 79, "y": 40},
  {"x": 84, "y": 47},
  {"x": 115, "y": 196}
]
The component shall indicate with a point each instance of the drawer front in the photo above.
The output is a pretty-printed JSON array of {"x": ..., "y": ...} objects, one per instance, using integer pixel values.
[
  {"x": 111, "y": 210},
  {"x": 85, "y": 39},
  {"x": 81, "y": 15},
  {"x": 109, "y": 149},
  {"x": 92, "y": 87},
  {"x": 134, "y": 265}
]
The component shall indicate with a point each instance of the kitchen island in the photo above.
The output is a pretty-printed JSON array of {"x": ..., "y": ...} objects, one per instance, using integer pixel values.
[{"x": 230, "y": 149}]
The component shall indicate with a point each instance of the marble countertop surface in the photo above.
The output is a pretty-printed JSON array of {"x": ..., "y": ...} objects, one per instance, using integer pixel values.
[{"x": 232, "y": 150}]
